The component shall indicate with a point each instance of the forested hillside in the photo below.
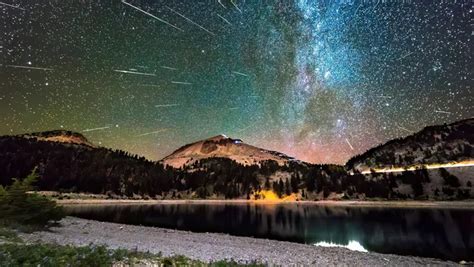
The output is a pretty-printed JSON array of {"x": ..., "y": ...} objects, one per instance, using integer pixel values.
[
  {"x": 432, "y": 145},
  {"x": 68, "y": 162},
  {"x": 81, "y": 168}
]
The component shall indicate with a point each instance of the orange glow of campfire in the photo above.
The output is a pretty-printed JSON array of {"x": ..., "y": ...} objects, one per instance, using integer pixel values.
[{"x": 269, "y": 195}]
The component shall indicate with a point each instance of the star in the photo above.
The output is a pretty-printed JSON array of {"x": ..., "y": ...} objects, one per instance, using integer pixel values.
[{"x": 301, "y": 77}]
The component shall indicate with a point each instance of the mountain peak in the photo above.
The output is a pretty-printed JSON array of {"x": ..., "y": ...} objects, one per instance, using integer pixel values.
[
  {"x": 221, "y": 146},
  {"x": 60, "y": 136},
  {"x": 218, "y": 137}
]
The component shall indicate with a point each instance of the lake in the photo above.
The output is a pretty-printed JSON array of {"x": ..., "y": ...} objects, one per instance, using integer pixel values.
[{"x": 428, "y": 232}]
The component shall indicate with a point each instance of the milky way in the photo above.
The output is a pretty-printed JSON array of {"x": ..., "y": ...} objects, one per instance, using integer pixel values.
[{"x": 319, "y": 80}]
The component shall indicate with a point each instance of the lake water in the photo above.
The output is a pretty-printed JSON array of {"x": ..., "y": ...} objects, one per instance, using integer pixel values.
[{"x": 426, "y": 232}]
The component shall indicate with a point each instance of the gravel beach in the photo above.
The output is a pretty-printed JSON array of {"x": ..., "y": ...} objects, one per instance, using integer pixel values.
[
  {"x": 468, "y": 204},
  {"x": 209, "y": 247}
]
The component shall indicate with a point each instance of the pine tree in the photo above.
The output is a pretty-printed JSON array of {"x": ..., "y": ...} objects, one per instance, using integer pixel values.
[
  {"x": 281, "y": 188},
  {"x": 267, "y": 183},
  {"x": 18, "y": 206},
  {"x": 287, "y": 187}
]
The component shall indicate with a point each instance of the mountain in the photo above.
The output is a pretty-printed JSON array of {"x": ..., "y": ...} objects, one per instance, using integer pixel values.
[
  {"x": 76, "y": 165},
  {"x": 221, "y": 146},
  {"x": 61, "y": 136},
  {"x": 222, "y": 167},
  {"x": 438, "y": 144},
  {"x": 67, "y": 161},
  {"x": 434, "y": 163}
]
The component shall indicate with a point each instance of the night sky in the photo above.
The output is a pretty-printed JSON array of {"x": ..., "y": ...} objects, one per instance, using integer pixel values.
[{"x": 318, "y": 80}]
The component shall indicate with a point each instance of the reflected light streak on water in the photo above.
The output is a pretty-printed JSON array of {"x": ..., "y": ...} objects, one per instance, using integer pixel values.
[{"x": 352, "y": 245}]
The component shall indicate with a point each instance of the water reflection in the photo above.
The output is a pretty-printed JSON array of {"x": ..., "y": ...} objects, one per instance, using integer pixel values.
[
  {"x": 353, "y": 245},
  {"x": 440, "y": 233}
]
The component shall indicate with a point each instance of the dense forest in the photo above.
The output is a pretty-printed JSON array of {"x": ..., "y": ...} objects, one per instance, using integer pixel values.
[
  {"x": 67, "y": 167},
  {"x": 80, "y": 168}
]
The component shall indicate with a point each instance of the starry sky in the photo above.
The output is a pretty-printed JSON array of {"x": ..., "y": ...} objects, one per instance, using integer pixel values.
[{"x": 319, "y": 80}]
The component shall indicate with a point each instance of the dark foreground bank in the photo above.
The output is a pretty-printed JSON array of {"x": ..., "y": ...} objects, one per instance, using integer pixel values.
[{"x": 208, "y": 247}]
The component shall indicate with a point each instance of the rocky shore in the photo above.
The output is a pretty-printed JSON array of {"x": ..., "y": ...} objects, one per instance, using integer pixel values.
[
  {"x": 467, "y": 204},
  {"x": 209, "y": 247}
]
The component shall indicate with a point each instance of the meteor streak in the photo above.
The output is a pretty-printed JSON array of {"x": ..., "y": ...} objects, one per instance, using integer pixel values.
[
  {"x": 232, "y": 1},
  {"x": 240, "y": 73},
  {"x": 28, "y": 67},
  {"x": 245, "y": 128},
  {"x": 151, "y": 15},
  {"x": 190, "y": 21},
  {"x": 404, "y": 56},
  {"x": 347, "y": 141},
  {"x": 177, "y": 82},
  {"x": 154, "y": 132},
  {"x": 96, "y": 129},
  {"x": 405, "y": 129},
  {"x": 166, "y": 105},
  {"x": 220, "y": 2},
  {"x": 5, "y": 4},
  {"x": 135, "y": 72},
  {"x": 168, "y": 68},
  {"x": 149, "y": 85},
  {"x": 224, "y": 19},
  {"x": 442, "y": 111}
]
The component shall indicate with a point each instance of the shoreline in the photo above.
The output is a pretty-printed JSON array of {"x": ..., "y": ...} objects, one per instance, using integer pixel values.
[
  {"x": 212, "y": 247},
  {"x": 335, "y": 203}
]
